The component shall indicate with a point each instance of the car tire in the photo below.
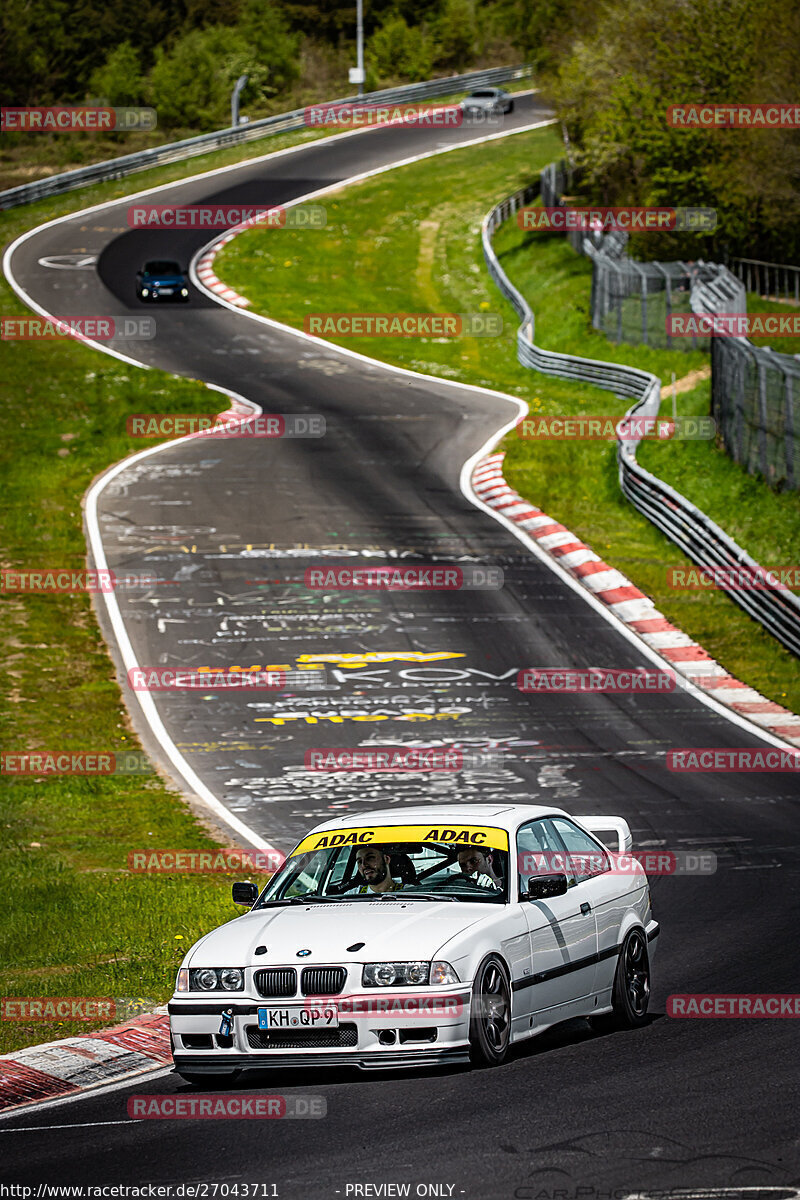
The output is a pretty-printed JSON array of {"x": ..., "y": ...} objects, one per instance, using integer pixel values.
[
  {"x": 207, "y": 1080},
  {"x": 630, "y": 995},
  {"x": 490, "y": 1014},
  {"x": 510, "y": 106}
]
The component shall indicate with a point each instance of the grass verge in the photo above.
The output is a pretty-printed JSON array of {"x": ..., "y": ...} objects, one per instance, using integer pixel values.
[
  {"x": 409, "y": 241},
  {"x": 78, "y": 923}
]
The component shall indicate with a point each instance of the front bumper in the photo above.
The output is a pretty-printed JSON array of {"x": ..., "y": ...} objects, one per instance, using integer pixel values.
[
  {"x": 369, "y": 1039},
  {"x": 209, "y": 1065}
]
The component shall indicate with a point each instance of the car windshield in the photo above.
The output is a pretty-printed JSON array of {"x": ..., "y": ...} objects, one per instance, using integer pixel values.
[
  {"x": 162, "y": 268},
  {"x": 392, "y": 863},
  {"x": 484, "y": 94}
]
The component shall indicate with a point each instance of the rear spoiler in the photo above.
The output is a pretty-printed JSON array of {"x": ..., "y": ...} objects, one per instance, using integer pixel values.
[{"x": 617, "y": 825}]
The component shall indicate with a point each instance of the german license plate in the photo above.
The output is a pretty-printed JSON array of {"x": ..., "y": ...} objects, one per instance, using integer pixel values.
[
  {"x": 305, "y": 1016},
  {"x": 165, "y": 291}
]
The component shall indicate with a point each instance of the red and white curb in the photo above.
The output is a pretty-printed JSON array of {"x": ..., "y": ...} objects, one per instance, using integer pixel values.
[
  {"x": 631, "y": 606},
  {"x": 205, "y": 270},
  {"x": 78, "y": 1064}
]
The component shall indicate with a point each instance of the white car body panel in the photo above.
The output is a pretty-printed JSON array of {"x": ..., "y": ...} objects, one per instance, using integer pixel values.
[{"x": 561, "y": 954}]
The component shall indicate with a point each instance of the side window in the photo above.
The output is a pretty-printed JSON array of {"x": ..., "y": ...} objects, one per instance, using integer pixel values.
[
  {"x": 586, "y": 857},
  {"x": 536, "y": 849}
]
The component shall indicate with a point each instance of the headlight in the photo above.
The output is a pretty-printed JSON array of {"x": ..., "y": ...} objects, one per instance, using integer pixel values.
[
  {"x": 184, "y": 291},
  {"x": 215, "y": 979},
  {"x": 395, "y": 974},
  {"x": 205, "y": 980},
  {"x": 145, "y": 291},
  {"x": 232, "y": 979}
]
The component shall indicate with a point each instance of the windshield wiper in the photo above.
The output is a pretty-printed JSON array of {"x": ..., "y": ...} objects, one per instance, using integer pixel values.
[{"x": 426, "y": 895}]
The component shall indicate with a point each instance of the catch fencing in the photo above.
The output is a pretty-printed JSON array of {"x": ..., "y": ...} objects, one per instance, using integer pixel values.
[
  {"x": 755, "y": 390},
  {"x": 701, "y": 539},
  {"x": 771, "y": 281}
]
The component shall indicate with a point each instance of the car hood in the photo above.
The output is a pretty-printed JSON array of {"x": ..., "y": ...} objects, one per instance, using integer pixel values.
[
  {"x": 390, "y": 929},
  {"x": 480, "y": 101}
]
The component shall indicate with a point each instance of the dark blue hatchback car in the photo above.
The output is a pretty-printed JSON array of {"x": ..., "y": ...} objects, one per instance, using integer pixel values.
[{"x": 162, "y": 280}]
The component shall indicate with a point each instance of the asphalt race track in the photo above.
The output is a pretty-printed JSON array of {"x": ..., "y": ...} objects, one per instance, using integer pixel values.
[{"x": 230, "y": 527}]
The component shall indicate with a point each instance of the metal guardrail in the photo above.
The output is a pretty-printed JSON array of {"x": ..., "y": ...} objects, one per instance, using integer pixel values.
[
  {"x": 700, "y": 538},
  {"x": 118, "y": 168},
  {"x": 625, "y": 381}
]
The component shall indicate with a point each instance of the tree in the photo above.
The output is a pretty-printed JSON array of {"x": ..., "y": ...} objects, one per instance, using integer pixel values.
[
  {"x": 613, "y": 89},
  {"x": 456, "y": 35},
  {"x": 398, "y": 51},
  {"x": 119, "y": 80},
  {"x": 276, "y": 49}
]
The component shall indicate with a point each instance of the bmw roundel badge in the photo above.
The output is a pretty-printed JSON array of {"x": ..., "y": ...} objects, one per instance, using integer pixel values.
[{"x": 303, "y": 953}]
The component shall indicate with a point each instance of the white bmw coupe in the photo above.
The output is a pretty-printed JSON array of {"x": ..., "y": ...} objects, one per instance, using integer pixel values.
[{"x": 441, "y": 934}]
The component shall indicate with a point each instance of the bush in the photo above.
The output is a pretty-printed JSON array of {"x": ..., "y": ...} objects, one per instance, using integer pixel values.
[
  {"x": 456, "y": 35},
  {"x": 399, "y": 51},
  {"x": 119, "y": 80},
  {"x": 191, "y": 85}
]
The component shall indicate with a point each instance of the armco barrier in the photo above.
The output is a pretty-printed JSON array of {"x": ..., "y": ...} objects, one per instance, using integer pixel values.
[
  {"x": 117, "y": 168},
  {"x": 695, "y": 533}
]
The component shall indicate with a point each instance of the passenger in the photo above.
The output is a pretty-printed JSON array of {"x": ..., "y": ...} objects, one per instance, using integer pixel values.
[
  {"x": 476, "y": 864},
  {"x": 373, "y": 867}
]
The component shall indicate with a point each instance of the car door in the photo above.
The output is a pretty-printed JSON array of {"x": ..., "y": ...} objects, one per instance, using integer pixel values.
[
  {"x": 562, "y": 930},
  {"x": 610, "y": 894}
]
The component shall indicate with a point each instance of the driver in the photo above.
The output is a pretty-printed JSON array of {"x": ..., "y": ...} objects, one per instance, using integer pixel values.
[
  {"x": 476, "y": 864},
  {"x": 373, "y": 867}
]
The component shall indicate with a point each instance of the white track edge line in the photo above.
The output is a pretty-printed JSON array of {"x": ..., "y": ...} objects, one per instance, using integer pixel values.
[
  {"x": 174, "y": 755},
  {"x": 465, "y": 478},
  {"x": 145, "y": 700}
]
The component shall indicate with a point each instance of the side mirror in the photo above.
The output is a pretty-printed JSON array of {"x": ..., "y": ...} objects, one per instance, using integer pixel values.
[
  {"x": 245, "y": 893},
  {"x": 540, "y": 887}
]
